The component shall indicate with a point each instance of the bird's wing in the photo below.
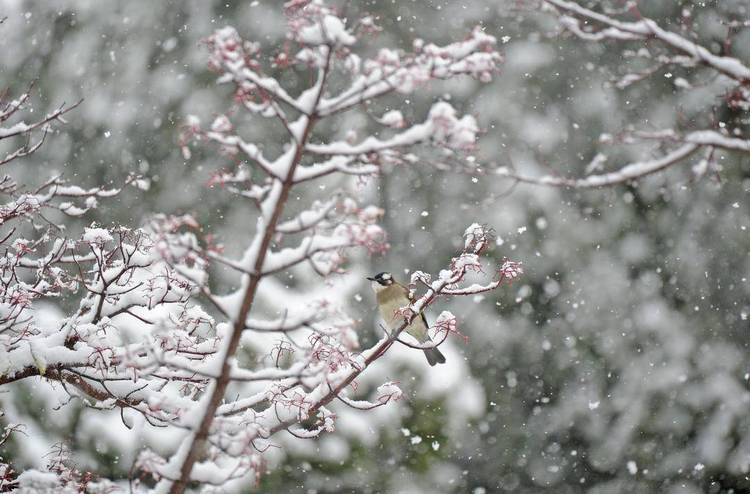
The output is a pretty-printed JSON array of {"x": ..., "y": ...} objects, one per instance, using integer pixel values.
[
  {"x": 419, "y": 331},
  {"x": 426, "y": 327}
]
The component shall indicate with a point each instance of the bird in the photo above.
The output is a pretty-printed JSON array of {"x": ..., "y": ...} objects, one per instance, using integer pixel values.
[{"x": 392, "y": 296}]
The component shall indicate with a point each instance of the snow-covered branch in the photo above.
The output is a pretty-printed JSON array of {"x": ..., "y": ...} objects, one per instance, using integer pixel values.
[
  {"x": 661, "y": 48},
  {"x": 644, "y": 29},
  {"x": 627, "y": 173},
  {"x": 9, "y": 110}
]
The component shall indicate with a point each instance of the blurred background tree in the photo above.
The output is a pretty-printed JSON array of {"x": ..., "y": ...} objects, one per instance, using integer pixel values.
[{"x": 618, "y": 364}]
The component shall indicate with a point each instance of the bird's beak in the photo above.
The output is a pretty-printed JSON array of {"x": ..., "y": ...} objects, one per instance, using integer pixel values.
[{"x": 371, "y": 279}]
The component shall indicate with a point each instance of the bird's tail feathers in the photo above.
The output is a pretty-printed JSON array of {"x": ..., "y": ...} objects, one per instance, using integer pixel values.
[{"x": 434, "y": 356}]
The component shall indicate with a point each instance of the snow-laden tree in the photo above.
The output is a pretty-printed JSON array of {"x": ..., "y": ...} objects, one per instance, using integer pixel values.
[
  {"x": 204, "y": 365},
  {"x": 618, "y": 364}
]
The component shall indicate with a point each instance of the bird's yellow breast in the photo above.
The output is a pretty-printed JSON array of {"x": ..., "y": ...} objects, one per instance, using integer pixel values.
[{"x": 390, "y": 300}]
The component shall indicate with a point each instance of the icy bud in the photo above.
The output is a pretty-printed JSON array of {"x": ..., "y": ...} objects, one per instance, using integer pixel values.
[
  {"x": 446, "y": 322},
  {"x": 476, "y": 238},
  {"x": 389, "y": 391},
  {"x": 96, "y": 236},
  {"x": 510, "y": 270},
  {"x": 420, "y": 277},
  {"x": 221, "y": 124},
  {"x": 393, "y": 119},
  {"x": 315, "y": 23},
  {"x": 448, "y": 129},
  {"x": 227, "y": 49}
]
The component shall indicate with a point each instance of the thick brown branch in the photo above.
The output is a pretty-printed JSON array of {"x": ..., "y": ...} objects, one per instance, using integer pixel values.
[{"x": 200, "y": 437}]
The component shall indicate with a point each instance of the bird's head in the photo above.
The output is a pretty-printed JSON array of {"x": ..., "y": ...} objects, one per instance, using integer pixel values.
[{"x": 381, "y": 281}]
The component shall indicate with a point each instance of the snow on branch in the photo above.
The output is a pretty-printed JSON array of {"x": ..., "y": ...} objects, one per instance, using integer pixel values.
[
  {"x": 625, "y": 174},
  {"x": 644, "y": 29},
  {"x": 10, "y": 110},
  {"x": 394, "y": 71},
  {"x": 669, "y": 49}
]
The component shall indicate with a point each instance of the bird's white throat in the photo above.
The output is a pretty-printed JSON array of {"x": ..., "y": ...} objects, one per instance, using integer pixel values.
[{"x": 377, "y": 287}]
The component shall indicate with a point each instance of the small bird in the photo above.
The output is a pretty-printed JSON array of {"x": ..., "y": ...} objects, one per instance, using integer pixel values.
[{"x": 392, "y": 296}]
